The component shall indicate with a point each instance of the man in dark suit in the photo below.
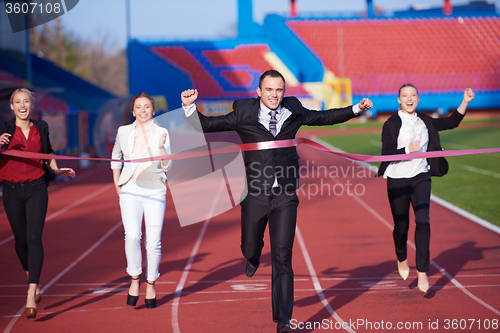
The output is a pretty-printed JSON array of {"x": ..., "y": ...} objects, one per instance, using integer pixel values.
[{"x": 272, "y": 175}]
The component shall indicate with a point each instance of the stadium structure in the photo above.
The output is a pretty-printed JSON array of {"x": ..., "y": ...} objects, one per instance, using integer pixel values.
[{"x": 328, "y": 59}]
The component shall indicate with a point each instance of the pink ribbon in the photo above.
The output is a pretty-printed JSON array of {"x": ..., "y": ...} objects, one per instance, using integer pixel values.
[{"x": 233, "y": 148}]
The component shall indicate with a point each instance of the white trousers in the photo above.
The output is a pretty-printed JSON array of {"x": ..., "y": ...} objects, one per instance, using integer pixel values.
[{"x": 135, "y": 202}]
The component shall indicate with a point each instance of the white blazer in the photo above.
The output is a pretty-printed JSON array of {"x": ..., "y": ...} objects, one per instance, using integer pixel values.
[{"x": 124, "y": 145}]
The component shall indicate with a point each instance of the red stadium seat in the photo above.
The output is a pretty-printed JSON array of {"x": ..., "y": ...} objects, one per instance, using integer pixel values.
[
  {"x": 444, "y": 54},
  {"x": 183, "y": 59},
  {"x": 228, "y": 73}
]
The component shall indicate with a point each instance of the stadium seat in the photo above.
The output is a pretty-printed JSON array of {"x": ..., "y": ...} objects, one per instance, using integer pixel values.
[{"x": 441, "y": 54}]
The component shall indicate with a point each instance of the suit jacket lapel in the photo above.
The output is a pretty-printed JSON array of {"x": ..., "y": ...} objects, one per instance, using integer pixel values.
[
  {"x": 131, "y": 139},
  {"x": 254, "y": 117},
  {"x": 291, "y": 117}
]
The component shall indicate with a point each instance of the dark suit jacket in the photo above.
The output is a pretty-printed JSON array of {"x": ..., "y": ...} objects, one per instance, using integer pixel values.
[
  {"x": 43, "y": 130},
  {"x": 263, "y": 165},
  {"x": 390, "y": 133}
]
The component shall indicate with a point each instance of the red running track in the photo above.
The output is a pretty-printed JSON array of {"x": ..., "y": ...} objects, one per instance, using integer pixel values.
[{"x": 344, "y": 263}]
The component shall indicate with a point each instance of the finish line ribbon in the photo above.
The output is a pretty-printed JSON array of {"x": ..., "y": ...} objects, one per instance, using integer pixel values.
[{"x": 234, "y": 148}]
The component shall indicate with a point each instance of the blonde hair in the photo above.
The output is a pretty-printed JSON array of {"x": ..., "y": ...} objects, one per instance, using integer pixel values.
[
  {"x": 405, "y": 86},
  {"x": 24, "y": 90}
]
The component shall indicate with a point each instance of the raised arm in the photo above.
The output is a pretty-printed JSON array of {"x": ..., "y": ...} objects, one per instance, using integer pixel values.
[
  {"x": 208, "y": 124},
  {"x": 456, "y": 117},
  {"x": 468, "y": 96},
  {"x": 188, "y": 97},
  {"x": 336, "y": 116}
]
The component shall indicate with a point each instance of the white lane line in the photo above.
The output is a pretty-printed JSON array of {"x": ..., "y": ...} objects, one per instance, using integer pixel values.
[
  {"x": 182, "y": 281},
  {"x": 481, "y": 171},
  {"x": 103, "y": 283},
  {"x": 316, "y": 283},
  {"x": 434, "y": 198},
  {"x": 228, "y": 300},
  {"x": 187, "y": 268},
  {"x": 463, "y": 289},
  {"x": 67, "y": 269},
  {"x": 433, "y": 263},
  {"x": 474, "y": 276},
  {"x": 330, "y": 291},
  {"x": 466, "y": 214},
  {"x": 242, "y": 281},
  {"x": 89, "y": 310},
  {"x": 368, "y": 278},
  {"x": 68, "y": 207},
  {"x": 436, "y": 265}
]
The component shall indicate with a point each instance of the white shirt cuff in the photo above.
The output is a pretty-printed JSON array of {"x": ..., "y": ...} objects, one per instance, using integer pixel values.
[
  {"x": 355, "y": 109},
  {"x": 189, "y": 110}
]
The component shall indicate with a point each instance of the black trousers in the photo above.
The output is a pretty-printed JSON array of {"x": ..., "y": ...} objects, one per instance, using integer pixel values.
[
  {"x": 280, "y": 209},
  {"x": 26, "y": 206},
  {"x": 417, "y": 191}
]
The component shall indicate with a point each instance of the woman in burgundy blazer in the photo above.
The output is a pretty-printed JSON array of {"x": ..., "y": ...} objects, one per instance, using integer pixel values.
[{"x": 25, "y": 181}]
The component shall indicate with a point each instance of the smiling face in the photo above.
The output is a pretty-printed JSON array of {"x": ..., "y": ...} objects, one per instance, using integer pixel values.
[
  {"x": 143, "y": 110},
  {"x": 21, "y": 104},
  {"x": 271, "y": 91},
  {"x": 408, "y": 99}
]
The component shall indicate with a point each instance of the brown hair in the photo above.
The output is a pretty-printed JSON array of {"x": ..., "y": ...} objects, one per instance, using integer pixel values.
[
  {"x": 24, "y": 90},
  {"x": 144, "y": 94},
  {"x": 407, "y": 85},
  {"x": 271, "y": 73}
]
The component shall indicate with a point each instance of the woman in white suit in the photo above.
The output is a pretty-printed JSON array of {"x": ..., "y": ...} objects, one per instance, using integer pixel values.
[{"x": 141, "y": 191}]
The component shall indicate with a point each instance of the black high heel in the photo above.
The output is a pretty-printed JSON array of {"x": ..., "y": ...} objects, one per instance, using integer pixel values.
[
  {"x": 132, "y": 300},
  {"x": 150, "y": 302}
]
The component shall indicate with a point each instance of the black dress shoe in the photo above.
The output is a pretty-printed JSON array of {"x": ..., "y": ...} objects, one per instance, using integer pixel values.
[
  {"x": 251, "y": 268},
  {"x": 284, "y": 326}
]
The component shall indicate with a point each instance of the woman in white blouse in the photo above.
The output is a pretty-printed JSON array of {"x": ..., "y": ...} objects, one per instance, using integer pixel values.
[
  {"x": 409, "y": 181},
  {"x": 141, "y": 191}
]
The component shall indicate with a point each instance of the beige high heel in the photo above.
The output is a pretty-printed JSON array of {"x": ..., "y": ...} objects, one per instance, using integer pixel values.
[
  {"x": 423, "y": 286},
  {"x": 403, "y": 269}
]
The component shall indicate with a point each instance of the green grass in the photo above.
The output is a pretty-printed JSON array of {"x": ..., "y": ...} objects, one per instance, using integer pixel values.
[
  {"x": 472, "y": 182},
  {"x": 479, "y": 120},
  {"x": 366, "y": 124},
  {"x": 373, "y": 123}
]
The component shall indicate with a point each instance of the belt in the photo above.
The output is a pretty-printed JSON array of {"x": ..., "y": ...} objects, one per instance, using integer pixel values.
[{"x": 31, "y": 182}]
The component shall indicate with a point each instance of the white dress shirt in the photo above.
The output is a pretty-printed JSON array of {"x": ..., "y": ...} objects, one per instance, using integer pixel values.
[
  {"x": 282, "y": 115},
  {"x": 412, "y": 129}
]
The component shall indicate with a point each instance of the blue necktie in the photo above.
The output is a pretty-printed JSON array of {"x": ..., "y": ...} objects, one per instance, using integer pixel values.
[{"x": 272, "y": 122}]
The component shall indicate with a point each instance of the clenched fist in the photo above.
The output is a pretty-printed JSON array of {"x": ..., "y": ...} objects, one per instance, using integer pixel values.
[{"x": 189, "y": 96}]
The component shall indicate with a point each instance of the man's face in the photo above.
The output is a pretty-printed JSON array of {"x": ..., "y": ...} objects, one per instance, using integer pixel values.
[{"x": 271, "y": 92}]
